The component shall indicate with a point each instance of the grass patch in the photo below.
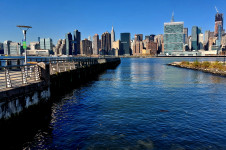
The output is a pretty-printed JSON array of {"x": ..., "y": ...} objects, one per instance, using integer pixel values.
[{"x": 204, "y": 65}]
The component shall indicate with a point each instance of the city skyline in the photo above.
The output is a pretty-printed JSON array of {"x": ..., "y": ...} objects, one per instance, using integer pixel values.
[{"x": 60, "y": 21}]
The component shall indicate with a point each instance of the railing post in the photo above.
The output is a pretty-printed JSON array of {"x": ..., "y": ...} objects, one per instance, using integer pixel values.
[
  {"x": 37, "y": 75},
  {"x": 7, "y": 78},
  {"x": 70, "y": 65},
  {"x": 24, "y": 79},
  {"x": 65, "y": 68},
  {"x": 57, "y": 67},
  {"x": 30, "y": 71}
]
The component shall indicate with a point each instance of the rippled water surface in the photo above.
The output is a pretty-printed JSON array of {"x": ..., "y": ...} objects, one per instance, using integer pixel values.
[{"x": 142, "y": 104}]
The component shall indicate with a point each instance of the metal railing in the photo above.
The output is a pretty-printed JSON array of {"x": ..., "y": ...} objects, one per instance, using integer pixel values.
[
  {"x": 12, "y": 75},
  {"x": 58, "y": 66},
  {"x": 18, "y": 75}
]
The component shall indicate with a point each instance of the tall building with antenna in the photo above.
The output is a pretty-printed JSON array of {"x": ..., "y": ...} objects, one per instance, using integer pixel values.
[
  {"x": 112, "y": 35},
  {"x": 218, "y": 21}
]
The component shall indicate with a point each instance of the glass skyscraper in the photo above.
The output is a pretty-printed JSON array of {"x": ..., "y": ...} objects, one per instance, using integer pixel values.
[
  {"x": 77, "y": 40},
  {"x": 125, "y": 44},
  {"x": 173, "y": 37},
  {"x": 42, "y": 43},
  {"x": 69, "y": 45},
  {"x": 194, "y": 38}
]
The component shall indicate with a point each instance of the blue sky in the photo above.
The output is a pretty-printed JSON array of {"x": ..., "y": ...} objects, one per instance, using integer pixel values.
[{"x": 54, "y": 18}]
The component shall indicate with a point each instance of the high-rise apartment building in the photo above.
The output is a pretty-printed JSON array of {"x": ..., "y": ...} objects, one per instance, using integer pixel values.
[
  {"x": 96, "y": 44},
  {"x": 173, "y": 37},
  {"x": 105, "y": 43},
  {"x": 15, "y": 49},
  {"x": 69, "y": 44},
  {"x": 151, "y": 48},
  {"x": 137, "y": 44},
  {"x": 60, "y": 48},
  {"x": 86, "y": 47},
  {"x": 125, "y": 44}
]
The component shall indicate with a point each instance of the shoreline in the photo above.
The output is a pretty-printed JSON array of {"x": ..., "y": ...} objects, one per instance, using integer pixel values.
[{"x": 213, "y": 71}]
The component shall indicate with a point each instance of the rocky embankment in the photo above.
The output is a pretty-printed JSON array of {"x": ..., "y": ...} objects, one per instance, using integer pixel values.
[{"x": 216, "y": 68}]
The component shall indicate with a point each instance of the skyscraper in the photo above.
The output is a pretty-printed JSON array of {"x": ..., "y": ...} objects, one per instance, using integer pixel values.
[
  {"x": 125, "y": 44},
  {"x": 185, "y": 31},
  {"x": 218, "y": 42},
  {"x": 1, "y": 48},
  {"x": 200, "y": 40},
  {"x": 6, "y": 45},
  {"x": 137, "y": 44},
  {"x": 77, "y": 39},
  {"x": 206, "y": 40},
  {"x": 152, "y": 37},
  {"x": 69, "y": 44},
  {"x": 218, "y": 21},
  {"x": 60, "y": 48},
  {"x": 49, "y": 44},
  {"x": 138, "y": 37},
  {"x": 116, "y": 47},
  {"x": 96, "y": 44},
  {"x": 105, "y": 42},
  {"x": 173, "y": 36},
  {"x": 194, "y": 38},
  {"x": 112, "y": 35},
  {"x": 89, "y": 38},
  {"x": 86, "y": 47},
  {"x": 159, "y": 40},
  {"x": 42, "y": 43},
  {"x": 15, "y": 49},
  {"x": 46, "y": 44}
]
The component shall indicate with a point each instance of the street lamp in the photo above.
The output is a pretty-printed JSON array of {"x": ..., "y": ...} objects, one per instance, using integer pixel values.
[{"x": 24, "y": 29}]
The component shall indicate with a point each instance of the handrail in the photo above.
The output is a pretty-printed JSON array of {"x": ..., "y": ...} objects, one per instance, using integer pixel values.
[
  {"x": 16, "y": 66},
  {"x": 18, "y": 75}
]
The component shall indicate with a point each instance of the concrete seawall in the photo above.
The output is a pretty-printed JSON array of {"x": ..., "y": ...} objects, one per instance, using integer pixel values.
[{"x": 15, "y": 101}]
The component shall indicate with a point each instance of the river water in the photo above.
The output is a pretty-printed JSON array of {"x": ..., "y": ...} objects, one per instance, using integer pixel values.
[{"x": 142, "y": 104}]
